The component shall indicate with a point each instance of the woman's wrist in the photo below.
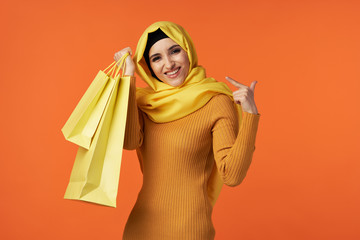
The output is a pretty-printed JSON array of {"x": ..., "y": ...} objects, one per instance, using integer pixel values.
[{"x": 129, "y": 72}]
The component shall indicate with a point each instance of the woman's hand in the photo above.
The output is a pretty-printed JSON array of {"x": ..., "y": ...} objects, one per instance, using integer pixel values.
[
  {"x": 130, "y": 66},
  {"x": 244, "y": 96}
]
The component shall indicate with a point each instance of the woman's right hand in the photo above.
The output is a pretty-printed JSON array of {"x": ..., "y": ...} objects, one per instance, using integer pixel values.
[{"x": 130, "y": 66}]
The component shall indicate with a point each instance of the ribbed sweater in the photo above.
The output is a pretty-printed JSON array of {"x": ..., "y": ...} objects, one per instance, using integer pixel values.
[{"x": 176, "y": 160}]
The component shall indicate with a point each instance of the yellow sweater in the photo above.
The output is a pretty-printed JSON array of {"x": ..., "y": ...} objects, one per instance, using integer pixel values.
[{"x": 176, "y": 159}]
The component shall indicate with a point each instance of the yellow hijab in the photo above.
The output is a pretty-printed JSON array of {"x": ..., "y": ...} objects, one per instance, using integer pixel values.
[{"x": 165, "y": 103}]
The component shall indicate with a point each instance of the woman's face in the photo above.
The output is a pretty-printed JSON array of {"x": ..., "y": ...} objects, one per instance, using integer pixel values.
[{"x": 169, "y": 62}]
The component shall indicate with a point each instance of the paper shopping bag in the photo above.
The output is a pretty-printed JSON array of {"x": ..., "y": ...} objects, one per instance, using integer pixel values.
[
  {"x": 96, "y": 171},
  {"x": 82, "y": 123}
]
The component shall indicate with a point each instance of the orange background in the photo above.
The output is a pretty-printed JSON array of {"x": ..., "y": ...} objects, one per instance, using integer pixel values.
[{"x": 305, "y": 177}]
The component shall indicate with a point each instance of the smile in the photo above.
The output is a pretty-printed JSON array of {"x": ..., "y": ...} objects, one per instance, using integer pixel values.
[{"x": 173, "y": 73}]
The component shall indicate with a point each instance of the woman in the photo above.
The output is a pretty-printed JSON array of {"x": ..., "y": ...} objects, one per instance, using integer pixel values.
[{"x": 189, "y": 135}]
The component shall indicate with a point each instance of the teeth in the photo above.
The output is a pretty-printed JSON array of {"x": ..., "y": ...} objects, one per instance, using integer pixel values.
[{"x": 173, "y": 72}]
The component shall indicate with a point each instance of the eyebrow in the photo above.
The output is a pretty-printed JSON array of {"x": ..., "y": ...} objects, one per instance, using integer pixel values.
[{"x": 173, "y": 46}]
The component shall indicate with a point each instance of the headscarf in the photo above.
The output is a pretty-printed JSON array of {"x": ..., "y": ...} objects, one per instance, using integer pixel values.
[{"x": 164, "y": 103}]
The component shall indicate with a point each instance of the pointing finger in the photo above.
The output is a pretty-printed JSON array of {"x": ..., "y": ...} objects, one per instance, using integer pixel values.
[{"x": 235, "y": 83}]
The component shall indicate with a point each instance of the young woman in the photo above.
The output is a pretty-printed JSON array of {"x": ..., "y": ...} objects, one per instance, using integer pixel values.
[{"x": 191, "y": 134}]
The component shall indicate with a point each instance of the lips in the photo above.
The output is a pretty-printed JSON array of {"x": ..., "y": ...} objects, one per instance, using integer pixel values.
[{"x": 173, "y": 74}]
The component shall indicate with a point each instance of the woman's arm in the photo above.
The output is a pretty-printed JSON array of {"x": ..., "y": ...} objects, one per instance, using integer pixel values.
[
  {"x": 233, "y": 142},
  {"x": 133, "y": 129}
]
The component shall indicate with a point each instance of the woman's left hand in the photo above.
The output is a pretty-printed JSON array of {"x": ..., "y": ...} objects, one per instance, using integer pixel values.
[{"x": 244, "y": 96}]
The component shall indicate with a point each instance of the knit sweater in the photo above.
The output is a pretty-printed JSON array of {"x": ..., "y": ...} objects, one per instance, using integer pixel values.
[{"x": 176, "y": 160}]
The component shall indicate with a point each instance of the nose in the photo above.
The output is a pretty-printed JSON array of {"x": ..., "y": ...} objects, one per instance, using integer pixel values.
[{"x": 169, "y": 63}]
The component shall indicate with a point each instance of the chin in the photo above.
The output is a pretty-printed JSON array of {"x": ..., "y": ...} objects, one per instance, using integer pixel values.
[{"x": 175, "y": 83}]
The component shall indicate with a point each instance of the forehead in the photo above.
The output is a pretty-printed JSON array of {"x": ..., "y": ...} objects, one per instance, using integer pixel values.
[{"x": 162, "y": 45}]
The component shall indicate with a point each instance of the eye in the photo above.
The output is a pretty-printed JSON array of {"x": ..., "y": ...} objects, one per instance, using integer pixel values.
[
  {"x": 176, "y": 50},
  {"x": 154, "y": 59}
]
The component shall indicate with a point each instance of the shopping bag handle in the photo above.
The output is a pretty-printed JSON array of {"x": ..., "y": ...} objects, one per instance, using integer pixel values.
[
  {"x": 112, "y": 64},
  {"x": 116, "y": 64},
  {"x": 122, "y": 63}
]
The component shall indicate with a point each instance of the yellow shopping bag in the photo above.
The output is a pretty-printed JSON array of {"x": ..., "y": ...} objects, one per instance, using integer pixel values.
[
  {"x": 96, "y": 171},
  {"x": 84, "y": 120}
]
